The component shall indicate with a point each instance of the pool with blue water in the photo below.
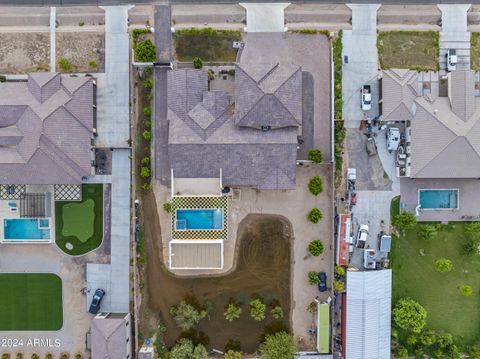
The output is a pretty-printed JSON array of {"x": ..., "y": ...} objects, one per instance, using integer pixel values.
[
  {"x": 26, "y": 229},
  {"x": 438, "y": 198},
  {"x": 187, "y": 219}
]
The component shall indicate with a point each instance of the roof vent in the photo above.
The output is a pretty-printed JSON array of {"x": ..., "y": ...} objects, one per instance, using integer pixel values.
[{"x": 266, "y": 128}]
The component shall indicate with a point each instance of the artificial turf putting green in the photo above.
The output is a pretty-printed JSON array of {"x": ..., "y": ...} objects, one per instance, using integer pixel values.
[
  {"x": 30, "y": 301},
  {"x": 80, "y": 223},
  {"x": 414, "y": 275},
  {"x": 78, "y": 219}
]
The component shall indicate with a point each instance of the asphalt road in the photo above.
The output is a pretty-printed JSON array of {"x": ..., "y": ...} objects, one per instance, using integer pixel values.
[{"x": 124, "y": 2}]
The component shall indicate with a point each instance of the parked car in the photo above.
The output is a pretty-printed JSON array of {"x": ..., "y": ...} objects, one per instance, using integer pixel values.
[
  {"x": 96, "y": 301},
  {"x": 393, "y": 138},
  {"x": 362, "y": 236},
  {"x": 322, "y": 284},
  {"x": 452, "y": 60},
  {"x": 366, "y": 94},
  {"x": 371, "y": 146}
]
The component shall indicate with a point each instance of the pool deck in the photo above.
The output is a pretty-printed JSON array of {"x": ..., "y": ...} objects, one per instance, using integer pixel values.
[{"x": 468, "y": 200}]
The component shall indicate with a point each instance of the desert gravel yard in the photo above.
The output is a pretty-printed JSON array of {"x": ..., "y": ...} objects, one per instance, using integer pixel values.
[
  {"x": 408, "y": 49},
  {"x": 85, "y": 51},
  {"x": 24, "y": 52}
]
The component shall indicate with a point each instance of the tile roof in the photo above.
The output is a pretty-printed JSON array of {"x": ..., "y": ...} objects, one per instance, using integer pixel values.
[
  {"x": 398, "y": 94},
  {"x": 109, "y": 337},
  {"x": 46, "y": 128},
  {"x": 204, "y": 136}
]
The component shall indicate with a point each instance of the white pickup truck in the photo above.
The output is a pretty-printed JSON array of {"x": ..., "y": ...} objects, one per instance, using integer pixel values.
[
  {"x": 366, "y": 94},
  {"x": 452, "y": 60}
]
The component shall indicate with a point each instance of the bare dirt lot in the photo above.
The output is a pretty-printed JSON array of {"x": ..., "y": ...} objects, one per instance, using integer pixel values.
[
  {"x": 262, "y": 268},
  {"x": 85, "y": 51},
  {"x": 24, "y": 52}
]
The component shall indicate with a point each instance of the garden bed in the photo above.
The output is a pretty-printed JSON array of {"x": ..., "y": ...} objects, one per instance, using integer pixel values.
[
  {"x": 475, "y": 51},
  {"x": 416, "y": 50},
  {"x": 208, "y": 44}
]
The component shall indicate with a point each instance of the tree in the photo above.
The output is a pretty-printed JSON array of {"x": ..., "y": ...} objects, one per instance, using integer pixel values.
[
  {"x": 145, "y": 172},
  {"x": 233, "y": 355},
  {"x": 428, "y": 232},
  {"x": 315, "y": 185},
  {"x": 278, "y": 346},
  {"x": 315, "y": 155},
  {"x": 277, "y": 312},
  {"x": 232, "y": 311},
  {"x": 186, "y": 316},
  {"x": 257, "y": 309},
  {"x": 443, "y": 265},
  {"x": 315, "y": 247},
  {"x": 184, "y": 349},
  {"x": 313, "y": 278},
  {"x": 197, "y": 63},
  {"x": 340, "y": 271},
  {"x": 466, "y": 290},
  {"x": 405, "y": 220},
  {"x": 338, "y": 286},
  {"x": 315, "y": 215},
  {"x": 408, "y": 314},
  {"x": 145, "y": 51}
]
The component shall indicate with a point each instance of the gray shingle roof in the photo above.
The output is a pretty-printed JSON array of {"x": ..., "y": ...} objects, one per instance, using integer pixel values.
[
  {"x": 47, "y": 124},
  {"x": 204, "y": 138},
  {"x": 398, "y": 94},
  {"x": 109, "y": 337}
]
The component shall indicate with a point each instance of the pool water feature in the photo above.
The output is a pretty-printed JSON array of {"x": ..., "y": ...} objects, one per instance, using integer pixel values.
[
  {"x": 26, "y": 229},
  {"x": 438, "y": 198},
  {"x": 199, "y": 219}
]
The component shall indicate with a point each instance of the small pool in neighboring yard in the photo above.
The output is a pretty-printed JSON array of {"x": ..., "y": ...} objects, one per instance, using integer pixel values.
[
  {"x": 187, "y": 219},
  {"x": 438, "y": 198},
  {"x": 26, "y": 229}
]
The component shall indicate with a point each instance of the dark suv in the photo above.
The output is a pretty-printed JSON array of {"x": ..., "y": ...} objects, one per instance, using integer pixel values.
[
  {"x": 97, "y": 299},
  {"x": 322, "y": 284}
]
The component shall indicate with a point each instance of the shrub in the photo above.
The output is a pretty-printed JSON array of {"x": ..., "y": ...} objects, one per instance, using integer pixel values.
[
  {"x": 167, "y": 207},
  {"x": 277, "y": 312},
  {"x": 315, "y": 247},
  {"x": 315, "y": 185},
  {"x": 313, "y": 278},
  {"x": 64, "y": 356},
  {"x": 185, "y": 349},
  {"x": 474, "y": 351},
  {"x": 428, "y": 338},
  {"x": 257, "y": 309},
  {"x": 145, "y": 51},
  {"x": 19, "y": 356},
  {"x": 197, "y": 63},
  {"x": 234, "y": 345},
  {"x": 146, "y": 186},
  {"x": 64, "y": 64},
  {"x": 338, "y": 286},
  {"x": 147, "y": 123},
  {"x": 315, "y": 155},
  {"x": 405, "y": 220},
  {"x": 411, "y": 340},
  {"x": 278, "y": 346},
  {"x": 92, "y": 64},
  {"x": 148, "y": 83},
  {"x": 409, "y": 315},
  {"x": 466, "y": 290},
  {"x": 186, "y": 316},
  {"x": 428, "y": 232},
  {"x": 145, "y": 161},
  {"x": 147, "y": 111},
  {"x": 233, "y": 355},
  {"x": 231, "y": 72},
  {"x": 315, "y": 215},
  {"x": 472, "y": 233},
  {"x": 147, "y": 135},
  {"x": 3, "y": 78},
  {"x": 402, "y": 352},
  {"x": 81, "y": 23},
  {"x": 232, "y": 312},
  {"x": 340, "y": 270},
  {"x": 211, "y": 74},
  {"x": 35, "y": 356},
  {"x": 471, "y": 246},
  {"x": 443, "y": 265},
  {"x": 145, "y": 172}
]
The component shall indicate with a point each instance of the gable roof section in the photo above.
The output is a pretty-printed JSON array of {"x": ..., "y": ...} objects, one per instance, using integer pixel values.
[
  {"x": 398, "y": 94},
  {"x": 45, "y": 129},
  {"x": 462, "y": 93},
  {"x": 268, "y": 95},
  {"x": 109, "y": 338}
]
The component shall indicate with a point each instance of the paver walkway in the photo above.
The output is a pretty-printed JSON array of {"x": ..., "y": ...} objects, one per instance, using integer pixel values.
[
  {"x": 360, "y": 47},
  {"x": 455, "y": 34}
]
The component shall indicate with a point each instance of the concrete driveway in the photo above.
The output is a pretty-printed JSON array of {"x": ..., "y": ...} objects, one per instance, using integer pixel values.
[
  {"x": 265, "y": 17},
  {"x": 360, "y": 63}
]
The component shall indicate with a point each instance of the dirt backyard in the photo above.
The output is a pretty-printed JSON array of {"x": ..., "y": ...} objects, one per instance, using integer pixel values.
[
  {"x": 85, "y": 51},
  {"x": 24, "y": 52},
  {"x": 262, "y": 268}
]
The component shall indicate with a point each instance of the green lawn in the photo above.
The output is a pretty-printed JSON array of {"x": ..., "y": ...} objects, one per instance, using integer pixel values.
[
  {"x": 414, "y": 275},
  {"x": 208, "y": 44},
  {"x": 30, "y": 302},
  {"x": 80, "y": 223},
  {"x": 416, "y": 50}
]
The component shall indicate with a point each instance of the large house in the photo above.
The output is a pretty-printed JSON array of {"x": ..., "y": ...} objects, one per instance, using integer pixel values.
[{"x": 440, "y": 166}]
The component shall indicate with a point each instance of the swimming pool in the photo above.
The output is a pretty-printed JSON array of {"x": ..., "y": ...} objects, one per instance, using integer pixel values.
[
  {"x": 438, "y": 198},
  {"x": 187, "y": 219},
  {"x": 26, "y": 229}
]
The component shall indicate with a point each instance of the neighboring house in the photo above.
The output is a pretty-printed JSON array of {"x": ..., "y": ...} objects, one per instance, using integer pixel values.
[
  {"x": 249, "y": 136},
  {"x": 368, "y": 313},
  {"x": 110, "y": 335},
  {"x": 46, "y": 129},
  {"x": 441, "y": 166}
]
